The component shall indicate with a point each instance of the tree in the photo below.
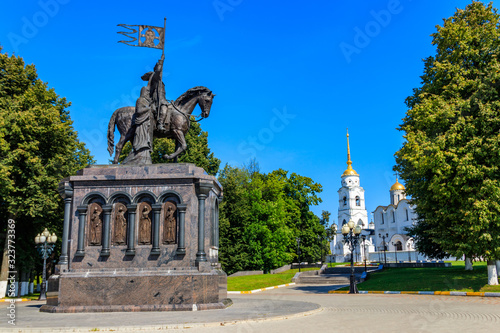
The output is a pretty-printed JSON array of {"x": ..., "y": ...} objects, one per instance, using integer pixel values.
[
  {"x": 451, "y": 158},
  {"x": 234, "y": 216},
  {"x": 261, "y": 216},
  {"x": 38, "y": 147},
  {"x": 197, "y": 151}
]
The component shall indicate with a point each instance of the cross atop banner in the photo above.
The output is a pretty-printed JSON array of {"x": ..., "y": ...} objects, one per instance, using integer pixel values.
[{"x": 144, "y": 35}]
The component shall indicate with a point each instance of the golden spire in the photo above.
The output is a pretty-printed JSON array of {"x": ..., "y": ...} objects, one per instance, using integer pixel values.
[{"x": 349, "y": 171}]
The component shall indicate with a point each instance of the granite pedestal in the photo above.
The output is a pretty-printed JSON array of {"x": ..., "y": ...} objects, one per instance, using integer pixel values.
[{"x": 139, "y": 238}]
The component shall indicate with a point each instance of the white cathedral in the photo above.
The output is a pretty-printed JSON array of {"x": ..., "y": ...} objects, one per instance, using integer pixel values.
[{"x": 388, "y": 225}]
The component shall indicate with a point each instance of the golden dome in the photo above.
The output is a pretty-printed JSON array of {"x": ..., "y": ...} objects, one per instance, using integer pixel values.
[
  {"x": 349, "y": 171},
  {"x": 397, "y": 186}
]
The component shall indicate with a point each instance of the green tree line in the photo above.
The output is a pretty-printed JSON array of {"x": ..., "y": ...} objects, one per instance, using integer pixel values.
[
  {"x": 38, "y": 147},
  {"x": 262, "y": 215}
]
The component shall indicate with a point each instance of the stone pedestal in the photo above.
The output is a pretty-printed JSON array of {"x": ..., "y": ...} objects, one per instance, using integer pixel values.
[{"x": 139, "y": 238}]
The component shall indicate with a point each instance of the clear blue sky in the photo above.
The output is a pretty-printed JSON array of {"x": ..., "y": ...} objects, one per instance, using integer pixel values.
[{"x": 290, "y": 77}]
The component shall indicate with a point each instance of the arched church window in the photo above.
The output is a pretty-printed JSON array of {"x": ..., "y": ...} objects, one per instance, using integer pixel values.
[
  {"x": 344, "y": 222},
  {"x": 399, "y": 246},
  {"x": 382, "y": 215},
  {"x": 406, "y": 211},
  {"x": 358, "y": 201},
  {"x": 345, "y": 201},
  {"x": 393, "y": 217}
]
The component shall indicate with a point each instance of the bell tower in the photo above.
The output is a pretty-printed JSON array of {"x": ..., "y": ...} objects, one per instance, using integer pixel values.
[{"x": 351, "y": 196}]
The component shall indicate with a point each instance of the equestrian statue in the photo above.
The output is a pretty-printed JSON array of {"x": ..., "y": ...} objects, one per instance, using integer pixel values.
[{"x": 155, "y": 116}]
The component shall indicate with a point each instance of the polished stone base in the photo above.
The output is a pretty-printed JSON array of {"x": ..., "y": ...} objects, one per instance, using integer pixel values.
[
  {"x": 151, "y": 290},
  {"x": 137, "y": 308}
]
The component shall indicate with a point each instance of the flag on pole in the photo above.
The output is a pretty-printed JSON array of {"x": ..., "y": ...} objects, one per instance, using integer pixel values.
[{"x": 143, "y": 35}]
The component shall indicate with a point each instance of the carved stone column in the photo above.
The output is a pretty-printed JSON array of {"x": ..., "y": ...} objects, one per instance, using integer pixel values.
[
  {"x": 181, "y": 248},
  {"x": 82, "y": 216},
  {"x": 156, "y": 228},
  {"x": 66, "y": 191},
  {"x": 131, "y": 230},
  {"x": 202, "y": 191},
  {"x": 106, "y": 230}
]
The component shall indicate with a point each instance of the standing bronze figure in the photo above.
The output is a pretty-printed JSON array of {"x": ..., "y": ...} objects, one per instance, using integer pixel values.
[
  {"x": 169, "y": 223},
  {"x": 120, "y": 225},
  {"x": 144, "y": 224},
  {"x": 95, "y": 223}
]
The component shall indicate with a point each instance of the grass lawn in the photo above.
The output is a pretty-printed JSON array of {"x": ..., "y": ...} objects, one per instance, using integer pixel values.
[
  {"x": 251, "y": 282},
  {"x": 453, "y": 278}
]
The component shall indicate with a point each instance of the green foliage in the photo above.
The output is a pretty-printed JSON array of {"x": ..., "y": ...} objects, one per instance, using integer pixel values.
[
  {"x": 197, "y": 151},
  {"x": 450, "y": 160},
  {"x": 38, "y": 147},
  {"x": 261, "y": 216}
]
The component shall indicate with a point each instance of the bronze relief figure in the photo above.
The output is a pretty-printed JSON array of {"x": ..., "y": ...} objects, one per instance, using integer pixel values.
[
  {"x": 120, "y": 224},
  {"x": 144, "y": 223},
  {"x": 95, "y": 224},
  {"x": 169, "y": 222}
]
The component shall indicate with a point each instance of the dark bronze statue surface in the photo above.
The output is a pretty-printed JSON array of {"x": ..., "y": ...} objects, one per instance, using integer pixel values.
[
  {"x": 120, "y": 224},
  {"x": 169, "y": 222},
  {"x": 95, "y": 224},
  {"x": 144, "y": 210},
  {"x": 153, "y": 115}
]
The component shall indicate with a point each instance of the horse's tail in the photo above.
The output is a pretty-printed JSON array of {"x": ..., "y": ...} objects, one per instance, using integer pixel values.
[{"x": 111, "y": 132}]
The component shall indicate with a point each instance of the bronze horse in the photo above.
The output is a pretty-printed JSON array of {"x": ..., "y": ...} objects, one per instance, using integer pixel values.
[{"x": 182, "y": 108}]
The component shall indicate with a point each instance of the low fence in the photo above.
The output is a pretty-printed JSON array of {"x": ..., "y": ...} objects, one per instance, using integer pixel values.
[
  {"x": 386, "y": 256},
  {"x": 274, "y": 271}
]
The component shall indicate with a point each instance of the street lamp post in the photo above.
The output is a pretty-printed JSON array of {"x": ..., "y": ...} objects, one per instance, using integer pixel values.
[
  {"x": 332, "y": 239},
  {"x": 364, "y": 248},
  {"x": 383, "y": 240},
  {"x": 395, "y": 252},
  {"x": 298, "y": 250},
  {"x": 45, "y": 244},
  {"x": 409, "y": 254},
  {"x": 351, "y": 237}
]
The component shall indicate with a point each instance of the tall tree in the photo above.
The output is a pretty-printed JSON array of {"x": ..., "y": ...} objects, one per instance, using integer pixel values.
[
  {"x": 38, "y": 147},
  {"x": 261, "y": 216},
  {"x": 235, "y": 211},
  {"x": 451, "y": 158}
]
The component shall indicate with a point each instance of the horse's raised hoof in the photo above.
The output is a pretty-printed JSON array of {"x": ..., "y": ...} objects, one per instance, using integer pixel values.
[{"x": 167, "y": 157}]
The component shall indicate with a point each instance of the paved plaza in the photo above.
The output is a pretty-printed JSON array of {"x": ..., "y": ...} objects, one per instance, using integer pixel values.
[{"x": 298, "y": 308}]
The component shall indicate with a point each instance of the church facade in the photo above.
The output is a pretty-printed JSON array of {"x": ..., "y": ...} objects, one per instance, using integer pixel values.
[
  {"x": 386, "y": 233},
  {"x": 392, "y": 220}
]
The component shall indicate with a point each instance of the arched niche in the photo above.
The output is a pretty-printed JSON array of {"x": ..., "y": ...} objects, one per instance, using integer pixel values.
[
  {"x": 94, "y": 197},
  {"x": 170, "y": 196}
]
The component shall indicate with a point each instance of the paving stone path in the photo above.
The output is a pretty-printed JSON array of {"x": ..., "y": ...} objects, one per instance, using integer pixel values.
[{"x": 298, "y": 308}]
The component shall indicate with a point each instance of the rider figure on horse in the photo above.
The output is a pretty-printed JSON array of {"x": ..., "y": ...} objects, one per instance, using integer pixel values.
[{"x": 159, "y": 103}]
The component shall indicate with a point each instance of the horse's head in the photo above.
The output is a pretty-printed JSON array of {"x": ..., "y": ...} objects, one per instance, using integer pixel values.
[
  {"x": 197, "y": 95},
  {"x": 205, "y": 101}
]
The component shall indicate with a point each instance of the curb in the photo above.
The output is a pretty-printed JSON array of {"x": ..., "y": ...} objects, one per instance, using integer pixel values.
[
  {"x": 262, "y": 289},
  {"x": 14, "y": 300},
  {"x": 444, "y": 293}
]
